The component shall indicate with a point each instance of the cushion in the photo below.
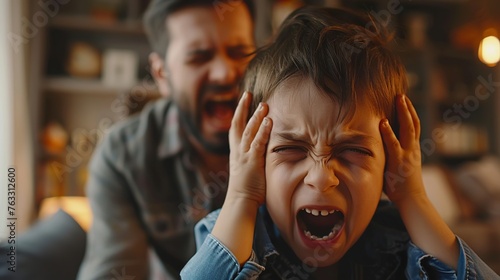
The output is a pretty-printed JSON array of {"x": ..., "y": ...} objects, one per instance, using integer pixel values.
[{"x": 52, "y": 248}]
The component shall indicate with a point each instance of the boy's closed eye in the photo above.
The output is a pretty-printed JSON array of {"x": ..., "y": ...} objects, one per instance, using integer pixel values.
[
  {"x": 292, "y": 153},
  {"x": 356, "y": 150},
  {"x": 297, "y": 153}
]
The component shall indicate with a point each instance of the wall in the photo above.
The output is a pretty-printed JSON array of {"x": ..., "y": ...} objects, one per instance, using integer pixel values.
[
  {"x": 16, "y": 141},
  {"x": 5, "y": 114}
]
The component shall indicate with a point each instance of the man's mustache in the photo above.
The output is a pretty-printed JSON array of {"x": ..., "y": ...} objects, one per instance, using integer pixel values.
[{"x": 214, "y": 89}]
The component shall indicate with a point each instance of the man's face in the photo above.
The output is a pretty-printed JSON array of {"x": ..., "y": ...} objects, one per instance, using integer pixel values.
[
  {"x": 324, "y": 176},
  {"x": 205, "y": 60}
]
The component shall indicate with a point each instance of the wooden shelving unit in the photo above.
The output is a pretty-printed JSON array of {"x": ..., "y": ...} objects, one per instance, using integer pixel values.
[{"x": 83, "y": 106}]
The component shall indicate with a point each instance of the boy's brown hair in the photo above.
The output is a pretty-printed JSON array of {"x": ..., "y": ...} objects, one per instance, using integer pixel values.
[{"x": 346, "y": 54}]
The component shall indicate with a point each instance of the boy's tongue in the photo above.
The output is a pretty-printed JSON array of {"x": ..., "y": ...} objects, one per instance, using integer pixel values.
[{"x": 319, "y": 225}]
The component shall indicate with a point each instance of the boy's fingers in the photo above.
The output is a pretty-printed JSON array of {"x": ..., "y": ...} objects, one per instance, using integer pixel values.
[
  {"x": 259, "y": 143},
  {"x": 415, "y": 118},
  {"x": 240, "y": 116},
  {"x": 253, "y": 126},
  {"x": 406, "y": 126},
  {"x": 390, "y": 140}
]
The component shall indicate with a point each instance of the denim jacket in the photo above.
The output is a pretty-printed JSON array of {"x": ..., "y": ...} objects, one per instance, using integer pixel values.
[{"x": 384, "y": 251}]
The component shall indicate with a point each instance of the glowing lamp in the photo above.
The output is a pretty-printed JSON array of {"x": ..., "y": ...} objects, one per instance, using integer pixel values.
[{"x": 489, "y": 50}]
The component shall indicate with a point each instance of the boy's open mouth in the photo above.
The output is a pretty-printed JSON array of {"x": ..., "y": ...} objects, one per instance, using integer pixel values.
[{"x": 320, "y": 224}]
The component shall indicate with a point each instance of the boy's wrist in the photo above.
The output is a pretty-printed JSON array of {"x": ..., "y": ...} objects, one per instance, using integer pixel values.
[
  {"x": 411, "y": 201},
  {"x": 241, "y": 200}
]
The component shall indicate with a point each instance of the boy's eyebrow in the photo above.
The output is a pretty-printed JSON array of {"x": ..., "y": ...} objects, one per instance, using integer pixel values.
[
  {"x": 291, "y": 136},
  {"x": 358, "y": 138},
  {"x": 353, "y": 138}
]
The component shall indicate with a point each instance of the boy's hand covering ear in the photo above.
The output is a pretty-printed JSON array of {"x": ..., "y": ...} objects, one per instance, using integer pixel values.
[
  {"x": 248, "y": 144},
  {"x": 403, "y": 170}
]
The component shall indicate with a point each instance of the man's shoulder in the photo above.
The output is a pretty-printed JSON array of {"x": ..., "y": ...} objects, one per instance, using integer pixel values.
[
  {"x": 140, "y": 129},
  {"x": 135, "y": 140}
]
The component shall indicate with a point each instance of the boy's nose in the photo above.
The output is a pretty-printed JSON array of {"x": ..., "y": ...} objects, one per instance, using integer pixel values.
[
  {"x": 321, "y": 176},
  {"x": 223, "y": 70}
]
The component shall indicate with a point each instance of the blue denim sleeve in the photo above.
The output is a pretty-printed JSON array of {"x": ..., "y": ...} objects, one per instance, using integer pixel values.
[
  {"x": 424, "y": 266},
  {"x": 213, "y": 260}
]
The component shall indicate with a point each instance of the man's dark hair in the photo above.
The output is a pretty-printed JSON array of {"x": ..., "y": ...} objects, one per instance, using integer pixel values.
[{"x": 158, "y": 10}]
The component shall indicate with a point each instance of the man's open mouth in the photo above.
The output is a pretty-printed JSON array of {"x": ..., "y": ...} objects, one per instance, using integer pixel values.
[
  {"x": 320, "y": 224},
  {"x": 220, "y": 108}
]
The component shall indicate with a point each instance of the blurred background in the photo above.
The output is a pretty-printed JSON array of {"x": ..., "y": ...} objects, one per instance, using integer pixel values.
[{"x": 71, "y": 68}]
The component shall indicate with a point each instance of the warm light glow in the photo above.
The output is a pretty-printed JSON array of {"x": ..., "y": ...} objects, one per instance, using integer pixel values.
[
  {"x": 76, "y": 206},
  {"x": 489, "y": 51}
]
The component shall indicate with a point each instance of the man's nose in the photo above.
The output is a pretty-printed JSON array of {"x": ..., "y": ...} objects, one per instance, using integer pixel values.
[
  {"x": 321, "y": 175},
  {"x": 223, "y": 70}
]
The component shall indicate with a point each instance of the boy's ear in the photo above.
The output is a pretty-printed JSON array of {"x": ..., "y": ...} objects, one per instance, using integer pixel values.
[{"x": 157, "y": 65}]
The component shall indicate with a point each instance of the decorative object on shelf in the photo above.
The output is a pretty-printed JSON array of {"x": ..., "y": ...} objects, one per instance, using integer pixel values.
[
  {"x": 54, "y": 138},
  {"x": 417, "y": 29},
  {"x": 463, "y": 140},
  {"x": 84, "y": 61},
  {"x": 120, "y": 68},
  {"x": 107, "y": 10}
]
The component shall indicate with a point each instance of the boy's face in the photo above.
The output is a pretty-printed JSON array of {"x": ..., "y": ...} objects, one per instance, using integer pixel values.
[{"x": 324, "y": 176}]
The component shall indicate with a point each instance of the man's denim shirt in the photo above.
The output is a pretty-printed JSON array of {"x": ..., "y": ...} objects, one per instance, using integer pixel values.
[{"x": 383, "y": 252}]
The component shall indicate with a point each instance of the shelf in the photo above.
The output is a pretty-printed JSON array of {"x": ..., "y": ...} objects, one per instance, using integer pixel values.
[
  {"x": 86, "y": 23},
  {"x": 74, "y": 86}
]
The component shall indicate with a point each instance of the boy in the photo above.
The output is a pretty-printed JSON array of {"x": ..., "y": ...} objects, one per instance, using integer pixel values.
[{"x": 319, "y": 153}]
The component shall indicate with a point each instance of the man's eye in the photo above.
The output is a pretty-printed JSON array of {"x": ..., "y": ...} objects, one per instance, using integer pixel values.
[
  {"x": 239, "y": 53},
  {"x": 199, "y": 57}
]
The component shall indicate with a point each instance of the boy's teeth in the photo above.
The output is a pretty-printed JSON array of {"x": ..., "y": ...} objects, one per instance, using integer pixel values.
[
  {"x": 336, "y": 227},
  {"x": 332, "y": 233},
  {"x": 316, "y": 212}
]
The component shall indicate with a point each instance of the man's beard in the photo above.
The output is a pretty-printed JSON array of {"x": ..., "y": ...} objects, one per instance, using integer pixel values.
[
  {"x": 189, "y": 120},
  {"x": 192, "y": 129}
]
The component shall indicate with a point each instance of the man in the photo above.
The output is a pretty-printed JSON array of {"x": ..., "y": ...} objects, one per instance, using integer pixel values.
[{"x": 157, "y": 174}]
